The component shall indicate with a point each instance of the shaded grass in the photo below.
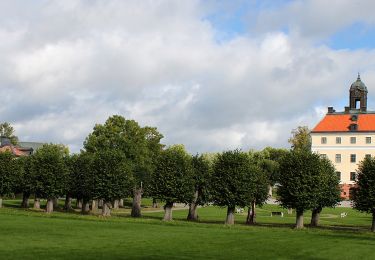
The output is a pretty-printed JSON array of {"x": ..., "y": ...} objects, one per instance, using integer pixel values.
[{"x": 35, "y": 235}]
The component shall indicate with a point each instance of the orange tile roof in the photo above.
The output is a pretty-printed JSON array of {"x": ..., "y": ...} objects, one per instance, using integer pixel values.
[
  {"x": 12, "y": 150},
  {"x": 341, "y": 123}
]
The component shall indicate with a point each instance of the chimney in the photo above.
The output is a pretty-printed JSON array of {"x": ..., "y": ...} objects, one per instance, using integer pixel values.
[
  {"x": 347, "y": 109},
  {"x": 331, "y": 110}
]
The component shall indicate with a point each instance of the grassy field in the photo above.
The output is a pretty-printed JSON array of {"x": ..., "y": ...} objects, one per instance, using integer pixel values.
[{"x": 26, "y": 234}]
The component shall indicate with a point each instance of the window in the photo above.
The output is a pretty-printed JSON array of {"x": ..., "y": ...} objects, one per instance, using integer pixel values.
[
  {"x": 323, "y": 140},
  {"x": 338, "y": 140},
  {"x": 338, "y": 158},
  {"x": 368, "y": 140},
  {"x": 368, "y": 156},
  {"x": 352, "y": 158},
  {"x": 323, "y": 156},
  {"x": 338, "y": 175},
  {"x": 353, "y": 176},
  {"x": 353, "y": 140}
]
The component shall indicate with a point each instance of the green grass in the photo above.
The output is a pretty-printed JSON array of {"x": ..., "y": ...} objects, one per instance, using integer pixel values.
[{"x": 26, "y": 234}]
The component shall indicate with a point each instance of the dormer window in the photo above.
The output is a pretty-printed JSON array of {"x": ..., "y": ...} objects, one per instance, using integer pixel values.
[
  {"x": 353, "y": 127},
  {"x": 354, "y": 118}
]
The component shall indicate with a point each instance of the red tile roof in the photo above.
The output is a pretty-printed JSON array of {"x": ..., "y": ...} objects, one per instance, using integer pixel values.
[
  {"x": 341, "y": 123},
  {"x": 12, "y": 150}
]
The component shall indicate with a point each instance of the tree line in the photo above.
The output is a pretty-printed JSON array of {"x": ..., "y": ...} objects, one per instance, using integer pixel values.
[{"x": 120, "y": 159}]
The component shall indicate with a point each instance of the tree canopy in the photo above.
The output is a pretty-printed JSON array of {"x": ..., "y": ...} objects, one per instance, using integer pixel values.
[
  {"x": 301, "y": 139},
  {"x": 7, "y": 131}
]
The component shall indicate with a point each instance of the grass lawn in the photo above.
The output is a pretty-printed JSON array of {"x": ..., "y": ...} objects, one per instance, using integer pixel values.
[{"x": 25, "y": 234}]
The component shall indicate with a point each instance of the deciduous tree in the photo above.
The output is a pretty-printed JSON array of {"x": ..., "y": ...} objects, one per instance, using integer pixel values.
[
  {"x": 48, "y": 171},
  {"x": 299, "y": 182},
  {"x": 7, "y": 170},
  {"x": 6, "y": 130},
  {"x": 364, "y": 192},
  {"x": 172, "y": 179},
  {"x": 233, "y": 181},
  {"x": 301, "y": 139}
]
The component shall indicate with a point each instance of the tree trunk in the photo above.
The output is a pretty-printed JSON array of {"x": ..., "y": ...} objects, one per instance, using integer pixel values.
[
  {"x": 251, "y": 214},
  {"x": 100, "y": 204},
  {"x": 79, "y": 203},
  {"x": 115, "y": 204},
  {"x": 68, "y": 203},
  {"x": 25, "y": 200},
  {"x": 155, "y": 203},
  {"x": 94, "y": 205},
  {"x": 1, "y": 201},
  {"x": 85, "y": 207},
  {"x": 315, "y": 217},
  {"x": 193, "y": 213},
  {"x": 137, "y": 198},
  {"x": 290, "y": 211},
  {"x": 299, "y": 219},
  {"x": 36, "y": 203},
  {"x": 56, "y": 203},
  {"x": 106, "y": 209},
  {"x": 121, "y": 203},
  {"x": 230, "y": 216},
  {"x": 168, "y": 211},
  {"x": 373, "y": 222},
  {"x": 49, "y": 208}
]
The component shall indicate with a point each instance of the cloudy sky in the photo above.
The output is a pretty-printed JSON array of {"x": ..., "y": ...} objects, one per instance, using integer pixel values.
[{"x": 212, "y": 75}]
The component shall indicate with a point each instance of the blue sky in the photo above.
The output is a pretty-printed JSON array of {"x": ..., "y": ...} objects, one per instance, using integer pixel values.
[{"x": 212, "y": 75}]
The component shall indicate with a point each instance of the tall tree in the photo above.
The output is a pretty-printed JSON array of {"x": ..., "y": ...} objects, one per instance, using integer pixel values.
[
  {"x": 7, "y": 170},
  {"x": 112, "y": 176},
  {"x": 141, "y": 147},
  {"x": 329, "y": 194},
  {"x": 172, "y": 179},
  {"x": 201, "y": 177},
  {"x": 6, "y": 130},
  {"x": 48, "y": 171},
  {"x": 301, "y": 139},
  {"x": 23, "y": 182},
  {"x": 233, "y": 181},
  {"x": 299, "y": 182},
  {"x": 364, "y": 192}
]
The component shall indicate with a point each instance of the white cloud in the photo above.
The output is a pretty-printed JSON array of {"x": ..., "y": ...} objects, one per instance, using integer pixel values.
[{"x": 70, "y": 64}]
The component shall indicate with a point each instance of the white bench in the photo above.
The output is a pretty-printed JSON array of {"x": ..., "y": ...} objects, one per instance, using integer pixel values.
[
  {"x": 239, "y": 210},
  {"x": 343, "y": 215}
]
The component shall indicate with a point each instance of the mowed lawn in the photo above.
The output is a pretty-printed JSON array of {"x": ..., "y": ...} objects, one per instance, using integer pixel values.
[{"x": 25, "y": 234}]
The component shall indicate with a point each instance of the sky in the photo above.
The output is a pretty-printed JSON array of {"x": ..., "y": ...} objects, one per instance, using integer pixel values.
[{"x": 211, "y": 74}]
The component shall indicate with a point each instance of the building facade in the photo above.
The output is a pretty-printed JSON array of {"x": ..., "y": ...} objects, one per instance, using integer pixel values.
[{"x": 347, "y": 137}]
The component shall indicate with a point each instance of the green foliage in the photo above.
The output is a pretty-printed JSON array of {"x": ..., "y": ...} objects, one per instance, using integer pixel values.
[
  {"x": 329, "y": 194},
  {"x": 7, "y": 131},
  {"x": 201, "y": 177},
  {"x": 301, "y": 139},
  {"x": 141, "y": 146},
  {"x": 172, "y": 179},
  {"x": 364, "y": 192},
  {"x": 49, "y": 171},
  {"x": 234, "y": 179},
  {"x": 7, "y": 172},
  {"x": 23, "y": 180},
  {"x": 300, "y": 180},
  {"x": 110, "y": 172}
]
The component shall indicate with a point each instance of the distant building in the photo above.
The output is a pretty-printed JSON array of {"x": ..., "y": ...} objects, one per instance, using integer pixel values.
[
  {"x": 347, "y": 137},
  {"x": 21, "y": 149}
]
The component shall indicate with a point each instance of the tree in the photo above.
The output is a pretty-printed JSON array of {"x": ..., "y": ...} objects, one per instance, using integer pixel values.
[
  {"x": 301, "y": 139},
  {"x": 364, "y": 191},
  {"x": 6, "y": 130},
  {"x": 23, "y": 182},
  {"x": 112, "y": 176},
  {"x": 48, "y": 171},
  {"x": 7, "y": 170},
  {"x": 329, "y": 190},
  {"x": 141, "y": 147},
  {"x": 201, "y": 177},
  {"x": 262, "y": 181},
  {"x": 172, "y": 179},
  {"x": 299, "y": 182},
  {"x": 233, "y": 181}
]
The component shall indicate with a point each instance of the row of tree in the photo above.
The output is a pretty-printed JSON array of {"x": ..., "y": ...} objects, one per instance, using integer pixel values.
[{"x": 122, "y": 159}]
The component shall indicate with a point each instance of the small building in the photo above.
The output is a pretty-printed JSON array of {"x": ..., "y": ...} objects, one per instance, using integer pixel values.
[
  {"x": 21, "y": 149},
  {"x": 347, "y": 137}
]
